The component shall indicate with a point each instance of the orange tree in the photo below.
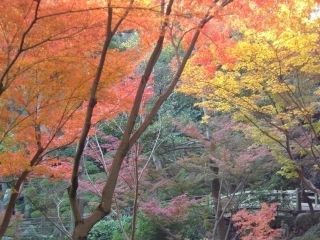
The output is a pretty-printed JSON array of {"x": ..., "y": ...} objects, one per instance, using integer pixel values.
[{"x": 47, "y": 60}]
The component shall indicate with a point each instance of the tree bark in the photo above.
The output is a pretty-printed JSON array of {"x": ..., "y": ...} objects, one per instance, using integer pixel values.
[
  {"x": 72, "y": 190},
  {"x": 12, "y": 202},
  {"x": 136, "y": 195},
  {"x": 129, "y": 139},
  {"x": 308, "y": 200},
  {"x": 83, "y": 226},
  {"x": 157, "y": 162},
  {"x": 221, "y": 227},
  {"x": 15, "y": 194}
]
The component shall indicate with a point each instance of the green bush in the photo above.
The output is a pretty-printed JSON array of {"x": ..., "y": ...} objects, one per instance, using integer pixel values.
[
  {"x": 146, "y": 229},
  {"x": 312, "y": 234},
  {"x": 107, "y": 228},
  {"x": 36, "y": 214}
]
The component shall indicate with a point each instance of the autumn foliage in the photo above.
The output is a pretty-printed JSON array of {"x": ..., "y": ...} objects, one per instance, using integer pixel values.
[
  {"x": 66, "y": 66},
  {"x": 49, "y": 54},
  {"x": 271, "y": 82},
  {"x": 175, "y": 210},
  {"x": 252, "y": 226}
]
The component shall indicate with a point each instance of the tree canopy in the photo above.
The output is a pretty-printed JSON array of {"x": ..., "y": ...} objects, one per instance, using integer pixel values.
[{"x": 140, "y": 108}]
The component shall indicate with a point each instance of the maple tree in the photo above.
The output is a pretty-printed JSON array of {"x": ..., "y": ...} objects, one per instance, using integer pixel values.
[
  {"x": 129, "y": 136},
  {"x": 224, "y": 160},
  {"x": 174, "y": 211},
  {"x": 45, "y": 81},
  {"x": 271, "y": 84},
  {"x": 256, "y": 225},
  {"x": 34, "y": 36}
]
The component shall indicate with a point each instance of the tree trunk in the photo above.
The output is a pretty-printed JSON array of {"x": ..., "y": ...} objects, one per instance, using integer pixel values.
[
  {"x": 298, "y": 197},
  {"x": 308, "y": 200},
  {"x": 83, "y": 226},
  {"x": 135, "y": 205},
  {"x": 221, "y": 227},
  {"x": 157, "y": 161},
  {"x": 15, "y": 194},
  {"x": 12, "y": 202}
]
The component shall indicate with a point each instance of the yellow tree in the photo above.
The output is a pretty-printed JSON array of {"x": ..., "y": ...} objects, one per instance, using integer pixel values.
[{"x": 272, "y": 84}]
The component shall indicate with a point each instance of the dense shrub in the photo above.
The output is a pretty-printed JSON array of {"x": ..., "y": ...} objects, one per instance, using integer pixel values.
[
  {"x": 147, "y": 229},
  {"x": 311, "y": 234},
  {"x": 252, "y": 226},
  {"x": 107, "y": 228}
]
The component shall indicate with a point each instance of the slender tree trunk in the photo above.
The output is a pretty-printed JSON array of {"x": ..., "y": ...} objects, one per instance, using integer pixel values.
[
  {"x": 221, "y": 227},
  {"x": 157, "y": 161},
  {"x": 298, "y": 196},
  {"x": 308, "y": 200},
  {"x": 72, "y": 190},
  {"x": 12, "y": 202},
  {"x": 129, "y": 137},
  {"x": 15, "y": 194},
  {"x": 83, "y": 226},
  {"x": 136, "y": 194}
]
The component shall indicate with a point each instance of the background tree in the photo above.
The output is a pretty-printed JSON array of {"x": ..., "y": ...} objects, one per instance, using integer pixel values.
[{"x": 272, "y": 86}]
